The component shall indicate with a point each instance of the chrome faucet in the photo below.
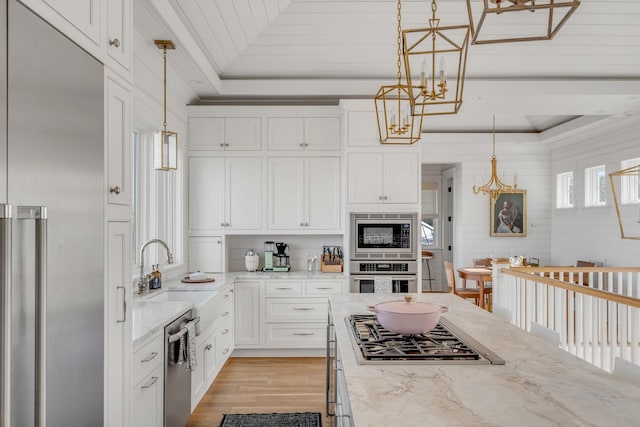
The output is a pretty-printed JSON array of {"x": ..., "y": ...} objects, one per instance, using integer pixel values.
[{"x": 143, "y": 282}]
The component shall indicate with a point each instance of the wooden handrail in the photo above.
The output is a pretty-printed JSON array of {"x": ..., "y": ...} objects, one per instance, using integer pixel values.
[{"x": 528, "y": 273}]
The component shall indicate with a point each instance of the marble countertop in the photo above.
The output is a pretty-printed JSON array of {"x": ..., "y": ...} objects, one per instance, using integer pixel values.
[
  {"x": 150, "y": 316},
  {"x": 540, "y": 385}
]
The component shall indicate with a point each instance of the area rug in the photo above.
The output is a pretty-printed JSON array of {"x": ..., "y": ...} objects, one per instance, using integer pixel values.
[{"x": 293, "y": 419}]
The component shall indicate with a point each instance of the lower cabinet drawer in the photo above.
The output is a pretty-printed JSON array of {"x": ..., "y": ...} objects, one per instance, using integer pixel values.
[
  {"x": 283, "y": 335},
  {"x": 147, "y": 400},
  {"x": 296, "y": 309},
  {"x": 147, "y": 358}
]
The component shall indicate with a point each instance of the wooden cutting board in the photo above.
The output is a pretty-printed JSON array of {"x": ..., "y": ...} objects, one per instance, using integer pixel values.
[{"x": 188, "y": 280}]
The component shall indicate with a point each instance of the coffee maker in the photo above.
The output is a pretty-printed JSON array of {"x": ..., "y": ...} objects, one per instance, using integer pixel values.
[
  {"x": 280, "y": 258},
  {"x": 269, "y": 248}
]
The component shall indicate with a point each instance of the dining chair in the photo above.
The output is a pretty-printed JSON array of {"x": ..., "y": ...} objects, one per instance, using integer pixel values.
[
  {"x": 488, "y": 289},
  {"x": 585, "y": 276},
  {"x": 461, "y": 292},
  {"x": 482, "y": 262},
  {"x": 545, "y": 333}
]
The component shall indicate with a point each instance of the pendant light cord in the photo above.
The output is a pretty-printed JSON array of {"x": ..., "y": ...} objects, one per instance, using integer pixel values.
[
  {"x": 399, "y": 42},
  {"x": 164, "y": 58},
  {"x": 494, "y": 137}
]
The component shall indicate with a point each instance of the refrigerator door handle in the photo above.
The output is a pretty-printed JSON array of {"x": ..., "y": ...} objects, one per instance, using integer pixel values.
[
  {"x": 39, "y": 214},
  {"x": 5, "y": 313}
]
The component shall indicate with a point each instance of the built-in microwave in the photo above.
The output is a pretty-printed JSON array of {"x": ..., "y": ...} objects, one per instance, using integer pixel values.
[{"x": 384, "y": 236}]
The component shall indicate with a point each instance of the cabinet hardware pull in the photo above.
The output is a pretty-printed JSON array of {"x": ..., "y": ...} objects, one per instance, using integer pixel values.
[
  {"x": 124, "y": 304},
  {"x": 302, "y": 224},
  {"x": 226, "y": 296},
  {"x": 226, "y": 144},
  {"x": 225, "y": 314},
  {"x": 153, "y": 381},
  {"x": 302, "y": 144},
  {"x": 303, "y": 308},
  {"x": 303, "y": 333},
  {"x": 222, "y": 144},
  {"x": 115, "y": 189},
  {"x": 324, "y": 288},
  {"x": 149, "y": 358},
  {"x": 225, "y": 332},
  {"x": 231, "y": 290},
  {"x": 385, "y": 197},
  {"x": 226, "y": 350},
  {"x": 379, "y": 197},
  {"x": 284, "y": 289},
  {"x": 219, "y": 242},
  {"x": 208, "y": 347},
  {"x": 114, "y": 43}
]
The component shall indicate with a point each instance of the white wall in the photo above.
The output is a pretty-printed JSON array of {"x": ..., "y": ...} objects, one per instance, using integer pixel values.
[
  {"x": 472, "y": 159},
  {"x": 593, "y": 233}
]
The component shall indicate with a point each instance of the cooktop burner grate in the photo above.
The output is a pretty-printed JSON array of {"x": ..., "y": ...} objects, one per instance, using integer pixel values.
[{"x": 443, "y": 344}]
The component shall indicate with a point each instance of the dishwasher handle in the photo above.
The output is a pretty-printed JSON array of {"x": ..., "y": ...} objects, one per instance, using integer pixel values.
[{"x": 175, "y": 337}]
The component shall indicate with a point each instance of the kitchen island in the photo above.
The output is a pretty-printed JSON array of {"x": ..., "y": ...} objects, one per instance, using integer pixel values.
[{"x": 539, "y": 385}]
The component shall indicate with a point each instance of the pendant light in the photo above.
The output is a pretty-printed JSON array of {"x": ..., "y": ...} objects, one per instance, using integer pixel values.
[
  {"x": 631, "y": 173},
  {"x": 520, "y": 20},
  {"x": 396, "y": 123},
  {"x": 165, "y": 142},
  {"x": 494, "y": 187},
  {"x": 434, "y": 90}
]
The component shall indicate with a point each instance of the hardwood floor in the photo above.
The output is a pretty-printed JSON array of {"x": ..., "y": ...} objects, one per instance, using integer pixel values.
[{"x": 264, "y": 385}]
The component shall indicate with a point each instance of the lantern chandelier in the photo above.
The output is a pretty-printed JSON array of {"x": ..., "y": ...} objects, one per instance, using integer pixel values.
[
  {"x": 494, "y": 187},
  {"x": 423, "y": 50},
  {"x": 165, "y": 142},
  {"x": 396, "y": 123},
  {"x": 543, "y": 17},
  {"x": 632, "y": 175}
]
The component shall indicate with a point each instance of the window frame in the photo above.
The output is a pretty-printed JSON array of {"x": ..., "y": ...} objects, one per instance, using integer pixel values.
[
  {"x": 565, "y": 194},
  {"x": 630, "y": 184},
  {"x": 595, "y": 186}
]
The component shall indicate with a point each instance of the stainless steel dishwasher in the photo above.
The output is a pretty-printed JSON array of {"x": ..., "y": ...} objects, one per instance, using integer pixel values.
[{"x": 177, "y": 375}]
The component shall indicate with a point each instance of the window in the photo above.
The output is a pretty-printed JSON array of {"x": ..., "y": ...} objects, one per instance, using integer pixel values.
[
  {"x": 429, "y": 222},
  {"x": 564, "y": 190},
  {"x": 595, "y": 186},
  {"x": 156, "y": 205},
  {"x": 630, "y": 185}
]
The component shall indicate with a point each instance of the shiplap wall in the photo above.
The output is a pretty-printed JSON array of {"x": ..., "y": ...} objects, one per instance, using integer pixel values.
[
  {"x": 592, "y": 233},
  {"x": 472, "y": 162}
]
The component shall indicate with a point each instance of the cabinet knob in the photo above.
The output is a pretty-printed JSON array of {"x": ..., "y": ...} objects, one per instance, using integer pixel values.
[
  {"x": 302, "y": 224},
  {"x": 385, "y": 197},
  {"x": 306, "y": 224},
  {"x": 226, "y": 144},
  {"x": 219, "y": 242},
  {"x": 208, "y": 347},
  {"x": 115, "y": 189},
  {"x": 302, "y": 144},
  {"x": 226, "y": 350},
  {"x": 225, "y": 314},
  {"x": 225, "y": 332},
  {"x": 114, "y": 43}
]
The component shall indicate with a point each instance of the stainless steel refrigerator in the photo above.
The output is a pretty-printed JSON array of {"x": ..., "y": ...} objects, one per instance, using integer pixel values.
[{"x": 51, "y": 226}]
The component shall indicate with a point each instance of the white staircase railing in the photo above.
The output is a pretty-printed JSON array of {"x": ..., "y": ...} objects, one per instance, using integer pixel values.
[{"x": 595, "y": 310}]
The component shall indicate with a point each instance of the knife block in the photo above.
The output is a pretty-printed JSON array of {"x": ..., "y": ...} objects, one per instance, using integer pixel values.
[{"x": 328, "y": 265}]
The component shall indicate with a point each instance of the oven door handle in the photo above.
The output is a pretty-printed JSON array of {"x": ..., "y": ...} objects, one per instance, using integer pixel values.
[{"x": 409, "y": 277}]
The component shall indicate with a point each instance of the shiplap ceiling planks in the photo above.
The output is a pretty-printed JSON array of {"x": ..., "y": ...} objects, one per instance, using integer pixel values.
[{"x": 250, "y": 42}]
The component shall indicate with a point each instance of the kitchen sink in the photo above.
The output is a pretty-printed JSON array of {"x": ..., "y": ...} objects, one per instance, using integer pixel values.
[{"x": 205, "y": 304}]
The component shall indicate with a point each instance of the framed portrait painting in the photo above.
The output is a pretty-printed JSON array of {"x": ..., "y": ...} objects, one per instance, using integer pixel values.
[{"x": 509, "y": 215}]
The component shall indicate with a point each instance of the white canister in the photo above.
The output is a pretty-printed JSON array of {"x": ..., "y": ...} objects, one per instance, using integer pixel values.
[{"x": 251, "y": 261}]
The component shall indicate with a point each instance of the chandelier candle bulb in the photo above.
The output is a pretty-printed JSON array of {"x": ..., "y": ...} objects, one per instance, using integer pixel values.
[{"x": 443, "y": 71}]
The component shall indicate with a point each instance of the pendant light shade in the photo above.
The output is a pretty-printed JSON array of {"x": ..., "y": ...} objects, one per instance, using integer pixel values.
[
  {"x": 165, "y": 142},
  {"x": 396, "y": 123},
  {"x": 505, "y": 21},
  {"x": 435, "y": 60}
]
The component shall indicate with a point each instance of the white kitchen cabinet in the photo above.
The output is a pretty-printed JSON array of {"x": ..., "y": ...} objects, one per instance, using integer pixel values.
[
  {"x": 118, "y": 138},
  {"x": 225, "y": 133},
  {"x": 204, "y": 373},
  {"x": 303, "y": 133},
  {"x": 383, "y": 178},
  {"x": 83, "y": 16},
  {"x": 119, "y": 28},
  {"x": 206, "y": 254},
  {"x": 118, "y": 320},
  {"x": 225, "y": 193},
  {"x": 147, "y": 400},
  {"x": 304, "y": 193},
  {"x": 247, "y": 309}
]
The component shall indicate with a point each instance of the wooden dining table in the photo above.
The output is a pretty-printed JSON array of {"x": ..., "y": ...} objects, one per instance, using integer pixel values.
[{"x": 480, "y": 275}]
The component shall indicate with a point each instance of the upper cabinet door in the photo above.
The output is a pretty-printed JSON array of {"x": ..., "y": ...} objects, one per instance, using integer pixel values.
[
  {"x": 322, "y": 193},
  {"x": 84, "y": 15},
  {"x": 365, "y": 178},
  {"x": 217, "y": 133},
  {"x": 242, "y": 133},
  {"x": 206, "y": 193},
  {"x": 206, "y": 133},
  {"x": 119, "y": 32},
  {"x": 118, "y": 130},
  {"x": 401, "y": 177},
  {"x": 243, "y": 178},
  {"x": 322, "y": 133},
  {"x": 285, "y": 193},
  {"x": 285, "y": 133}
]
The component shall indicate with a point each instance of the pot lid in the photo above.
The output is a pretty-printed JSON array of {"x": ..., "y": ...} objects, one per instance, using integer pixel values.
[{"x": 408, "y": 306}]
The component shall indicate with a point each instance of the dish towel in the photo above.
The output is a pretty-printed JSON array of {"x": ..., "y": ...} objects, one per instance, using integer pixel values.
[
  {"x": 382, "y": 285},
  {"x": 190, "y": 346}
]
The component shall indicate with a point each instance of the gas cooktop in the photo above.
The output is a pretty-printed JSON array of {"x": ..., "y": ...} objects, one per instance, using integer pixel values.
[{"x": 445, "y": 344}]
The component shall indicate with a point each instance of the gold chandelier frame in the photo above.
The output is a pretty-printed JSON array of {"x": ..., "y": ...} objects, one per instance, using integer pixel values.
[
  {"x": 493, "y": 8},
  {"x": 494, "y": 187},
  {"x": 165, "y": 142},
  {"x": 397, "y": 125},
  {"x": 632, "y": 171},
  {"x": 431, "y": 95}
]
